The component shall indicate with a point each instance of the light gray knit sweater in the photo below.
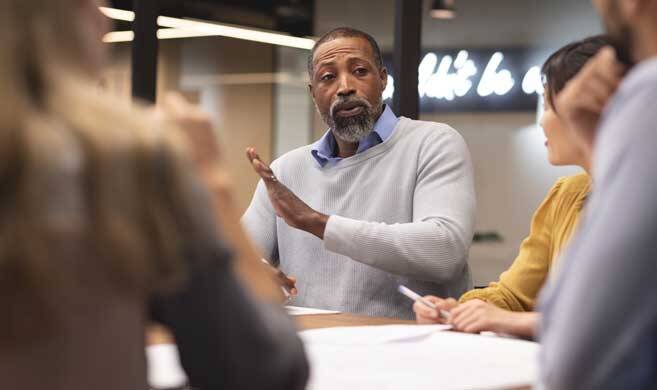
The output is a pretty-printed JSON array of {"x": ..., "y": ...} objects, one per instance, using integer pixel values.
[{"x": 401, "y": 212}]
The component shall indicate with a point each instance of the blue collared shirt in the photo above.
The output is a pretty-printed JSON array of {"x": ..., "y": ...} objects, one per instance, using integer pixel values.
[{"x": 325, "y": 150}]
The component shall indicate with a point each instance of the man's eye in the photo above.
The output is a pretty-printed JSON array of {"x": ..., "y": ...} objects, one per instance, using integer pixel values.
[
  {"x": 326, "y": 77},
  {"x": 360, "y": 71}
]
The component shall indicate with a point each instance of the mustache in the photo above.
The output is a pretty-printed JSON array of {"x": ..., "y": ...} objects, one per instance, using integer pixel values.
[{"x": 347, "y": 103}]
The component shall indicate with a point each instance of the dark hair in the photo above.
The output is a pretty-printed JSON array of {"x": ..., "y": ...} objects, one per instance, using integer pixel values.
[
  {"x": 345, "y": 32},
  {"x": 566, "y": 62}
]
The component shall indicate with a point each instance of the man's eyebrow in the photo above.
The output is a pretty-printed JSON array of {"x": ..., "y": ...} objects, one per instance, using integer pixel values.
[{"x": 325, "y": 63}]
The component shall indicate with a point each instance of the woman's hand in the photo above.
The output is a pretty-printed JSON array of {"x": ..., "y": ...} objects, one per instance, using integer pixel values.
[
  {"x": 477, "y": 316},
  {"x": 427, "y": 315}
]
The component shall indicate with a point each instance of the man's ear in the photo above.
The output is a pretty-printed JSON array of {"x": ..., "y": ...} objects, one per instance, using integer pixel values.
[
  {"x": 311, "y": 91},
  {"x": 383, "y": 75}
]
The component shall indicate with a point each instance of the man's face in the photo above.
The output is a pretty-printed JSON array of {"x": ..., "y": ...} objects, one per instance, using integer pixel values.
[
  {"x": 617, "y": 27},
  {"x": 346, "y": 86}
]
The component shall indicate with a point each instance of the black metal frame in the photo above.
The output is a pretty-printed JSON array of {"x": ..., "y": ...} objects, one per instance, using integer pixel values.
[
  {"x": 145, "y": 50},
  {"x": 406, "y": 57}
]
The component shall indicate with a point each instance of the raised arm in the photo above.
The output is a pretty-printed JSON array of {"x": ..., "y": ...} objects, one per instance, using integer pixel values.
[{"x": 432, "y": 247}]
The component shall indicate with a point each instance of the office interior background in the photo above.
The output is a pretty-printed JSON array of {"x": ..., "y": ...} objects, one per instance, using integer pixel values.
[{"x": 257, "y": 93}]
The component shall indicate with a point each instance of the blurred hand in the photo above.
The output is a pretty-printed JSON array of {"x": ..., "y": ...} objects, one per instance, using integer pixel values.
[
  {"x": 427, "y": 315},
  {"x": 198, "y": 130},
  {"x": 196, "y": 125},
  {"x": 286, "y": 204},
  {"x": 585, "y": 97},
  {"x": 289, "y": 283}
]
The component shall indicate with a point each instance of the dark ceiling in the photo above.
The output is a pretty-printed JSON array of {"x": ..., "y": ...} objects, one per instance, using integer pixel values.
[{"x": 291, "y": 16}]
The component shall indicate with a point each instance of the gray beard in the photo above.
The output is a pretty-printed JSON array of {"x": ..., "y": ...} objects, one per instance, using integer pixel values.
[{"x": 352, "y": 129}]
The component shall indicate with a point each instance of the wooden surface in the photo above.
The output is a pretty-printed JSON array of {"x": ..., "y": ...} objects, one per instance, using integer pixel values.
[
  {"x": 158, "y": 334},
  {"x": 343, "y": 319}
]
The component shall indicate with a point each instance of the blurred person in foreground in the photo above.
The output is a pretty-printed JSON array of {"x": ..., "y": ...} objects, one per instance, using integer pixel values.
[
  {"x": 107, "y": 223},
  {"x": 509, "y": 305},
  {"x": 599, "y": 328}
]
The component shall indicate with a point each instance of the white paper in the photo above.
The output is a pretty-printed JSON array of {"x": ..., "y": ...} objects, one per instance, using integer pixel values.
[
  {"x": 440, "y": 360},
  {"x": 306, "y": 311},
  {"x": 164, "y": 369},
  {"x": 370, "y": 335}
]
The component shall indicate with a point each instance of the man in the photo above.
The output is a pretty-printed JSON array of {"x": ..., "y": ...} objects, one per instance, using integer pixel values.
[
  {"x": 599, "y": 325},
  {"x": 377, "y": 202}
]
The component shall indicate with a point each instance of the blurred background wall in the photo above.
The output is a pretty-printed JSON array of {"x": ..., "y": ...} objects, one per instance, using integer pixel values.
[{"x": 257, "y": 93}]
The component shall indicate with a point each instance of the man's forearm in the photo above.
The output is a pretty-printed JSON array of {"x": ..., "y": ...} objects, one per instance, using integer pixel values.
[
  {"x": 430, "y": 250},
  {"x": 315, "y": 223}
]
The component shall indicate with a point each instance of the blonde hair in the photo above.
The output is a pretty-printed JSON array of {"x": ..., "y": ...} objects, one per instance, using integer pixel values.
[{"x": 134, "y": 180}]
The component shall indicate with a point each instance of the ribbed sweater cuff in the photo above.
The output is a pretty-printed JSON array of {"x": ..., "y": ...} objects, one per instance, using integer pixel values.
[{"x": 339, "y": 233}]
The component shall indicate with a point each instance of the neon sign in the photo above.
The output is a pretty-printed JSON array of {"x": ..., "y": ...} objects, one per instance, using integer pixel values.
[{"x": 474, "y": 80}]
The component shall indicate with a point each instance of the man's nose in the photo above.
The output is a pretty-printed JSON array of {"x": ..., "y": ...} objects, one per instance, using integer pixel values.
[{"x": 346, "y": 86}]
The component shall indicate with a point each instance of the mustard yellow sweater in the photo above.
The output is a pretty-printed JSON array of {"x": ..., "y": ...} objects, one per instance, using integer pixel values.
[{"x": 551, "y": 228}]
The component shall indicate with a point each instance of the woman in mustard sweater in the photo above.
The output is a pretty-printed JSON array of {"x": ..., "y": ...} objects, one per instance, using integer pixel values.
[{"x": 506, "y": 306}]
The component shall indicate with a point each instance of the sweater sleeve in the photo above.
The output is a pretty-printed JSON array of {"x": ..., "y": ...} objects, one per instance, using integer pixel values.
[
  {"x": 519, "y": 286},
  {"x": 259, "y": 221},
  {"x": 433, "y": 247}
]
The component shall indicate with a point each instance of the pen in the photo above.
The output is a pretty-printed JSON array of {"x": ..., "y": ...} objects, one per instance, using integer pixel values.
[
  {"x": 285, "y": 290},
  {"x": 444, "y": 314}
]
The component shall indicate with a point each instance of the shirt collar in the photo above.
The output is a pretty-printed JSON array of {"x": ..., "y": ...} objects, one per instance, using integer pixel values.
[
  {"x": 386, "y": 123},
  {"x": 324, "y": 149}
]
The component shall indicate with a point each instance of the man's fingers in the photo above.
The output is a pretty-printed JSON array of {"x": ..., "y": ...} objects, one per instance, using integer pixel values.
[
  {"x": 605, "y": 72},
  {"x": 260, "y": 167},
  {"x": 290, "y": 281},
  {"x": 252, "y": 154},
  {"x": 601, "y": 88},
  {"x": 591, "y": 104},
  {"x": 610, "y": 66}
]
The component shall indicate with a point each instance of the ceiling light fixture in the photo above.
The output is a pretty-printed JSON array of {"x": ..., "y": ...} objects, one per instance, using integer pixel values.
[
  {"x": 163, "y": 33},
  {"x": 187, "y": 28},
  {"x": 443, "y": 9}
]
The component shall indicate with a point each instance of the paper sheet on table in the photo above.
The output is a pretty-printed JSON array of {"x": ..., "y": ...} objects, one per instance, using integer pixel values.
[
  {"x": 305, "y": 311},
  {"x": 370, "y": 335},
  {"x": 164, "y": 369},
  {"x": 441, "y": 360}
]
